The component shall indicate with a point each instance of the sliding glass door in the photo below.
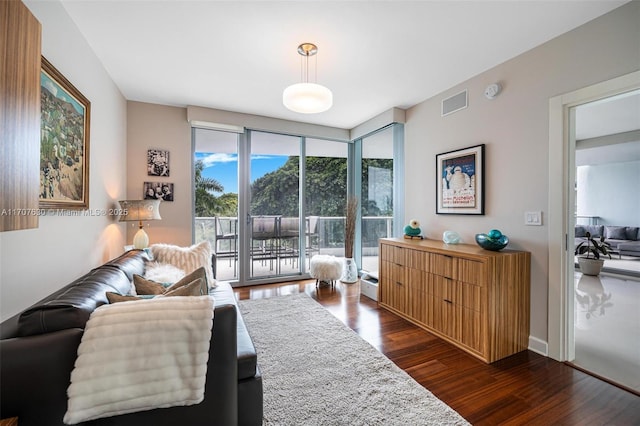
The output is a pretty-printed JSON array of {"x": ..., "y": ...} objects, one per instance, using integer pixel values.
[
  {"x": 216, "y": 197},
  {"x": 376, "y": 194},
  {"x": 325, "y": 196},
  {"x": 268, "y": 202},
  {"x": 274, "y": 209}
]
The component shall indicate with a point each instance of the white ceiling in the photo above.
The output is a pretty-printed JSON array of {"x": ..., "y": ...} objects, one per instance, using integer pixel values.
[
  {"x": 614, "y": 115},
  {"x": 608, "y": 116},
  {"x": 373, "y": 55}
]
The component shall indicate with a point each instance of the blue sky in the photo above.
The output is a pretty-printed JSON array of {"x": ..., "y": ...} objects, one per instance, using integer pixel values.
[
  {"x": 58, "y": 92},
  {"x": 224, "y": 167}
]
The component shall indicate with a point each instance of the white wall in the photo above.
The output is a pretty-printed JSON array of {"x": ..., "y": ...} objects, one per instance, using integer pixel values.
[
  {"x": 610, "y": 191},
  {"x": 515, "y": 129},
  {"x": 34, "y": 263}
]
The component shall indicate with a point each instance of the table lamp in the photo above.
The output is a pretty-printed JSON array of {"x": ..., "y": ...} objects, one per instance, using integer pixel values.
[{"x": 139, "y": 210}]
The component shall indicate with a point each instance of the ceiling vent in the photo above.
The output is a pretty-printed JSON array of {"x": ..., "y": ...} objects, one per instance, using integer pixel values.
[{"x": 454, "y": 103}]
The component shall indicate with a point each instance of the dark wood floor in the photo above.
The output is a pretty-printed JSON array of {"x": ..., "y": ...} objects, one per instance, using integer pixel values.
[{"x": 526, "y": 388}]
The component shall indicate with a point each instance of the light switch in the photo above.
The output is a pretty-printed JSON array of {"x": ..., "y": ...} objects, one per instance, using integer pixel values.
[{"x": 533, "y": 218}]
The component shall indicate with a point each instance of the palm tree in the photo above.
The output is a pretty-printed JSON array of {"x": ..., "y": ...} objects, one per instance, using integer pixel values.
[{"x": 206, "y": 203}]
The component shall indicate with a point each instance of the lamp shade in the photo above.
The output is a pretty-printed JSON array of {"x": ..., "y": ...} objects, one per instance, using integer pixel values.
[
  {"x": 307, "y": 98},
  {"x": 137, "y": 211}
]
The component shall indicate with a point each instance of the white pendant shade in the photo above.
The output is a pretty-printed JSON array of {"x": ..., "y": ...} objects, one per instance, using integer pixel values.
[{"x": 307, "y": 98}]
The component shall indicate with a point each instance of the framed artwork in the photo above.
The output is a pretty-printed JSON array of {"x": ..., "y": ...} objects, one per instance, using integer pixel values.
[
  {"x": 157, "y": 162},
  {"x": 158, "y": 191},
  {"x": 460, "y": 181},
  {"x": 64, "y": 142}
]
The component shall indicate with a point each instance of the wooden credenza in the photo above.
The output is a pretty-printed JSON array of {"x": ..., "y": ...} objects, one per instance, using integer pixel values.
[{"x": 474, "y": 298}]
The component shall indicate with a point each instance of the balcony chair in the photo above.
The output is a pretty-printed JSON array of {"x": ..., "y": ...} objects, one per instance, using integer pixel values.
[
  {"x": 264, "y": 240},
  {"x": 227, "y": 233}
]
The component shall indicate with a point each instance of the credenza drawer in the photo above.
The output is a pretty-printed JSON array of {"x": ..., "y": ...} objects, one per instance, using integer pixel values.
[
  {"x": 394, "y": 254},
  {"x": 440, "y": 264},
  {"x": 470, "y": 271}
]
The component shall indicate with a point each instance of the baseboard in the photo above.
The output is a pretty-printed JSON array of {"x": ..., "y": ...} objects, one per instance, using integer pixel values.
[{"x": 538, "y": 346}]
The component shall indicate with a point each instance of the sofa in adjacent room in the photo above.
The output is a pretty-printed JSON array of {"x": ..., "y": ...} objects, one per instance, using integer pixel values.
[
  {"x": 625, "y": 240},
  {"x": 38, "y": 349}
]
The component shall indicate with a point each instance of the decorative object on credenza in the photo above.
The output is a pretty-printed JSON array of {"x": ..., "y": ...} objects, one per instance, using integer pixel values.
[
  {"x": 157, "y": 162},
  {"x": 460, "y": 181},
  {"x": 139, "y": 211},
  {"x": 350, "y": 273},
  {"x": 306, "y": 97},
  {"x": 412, "y": 231},
  {"x": 589, "y": 251},
  {"x": 451, "y": 237},
  {"x": 158, "y": 191},
  {"x": 64, "y": 142},
  {"x": 494, "y": 240}
]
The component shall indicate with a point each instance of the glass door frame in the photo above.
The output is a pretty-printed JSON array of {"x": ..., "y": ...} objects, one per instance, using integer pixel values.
[
  {"x": 244, "y": 209},
  {"x": 354, "y": 181}
]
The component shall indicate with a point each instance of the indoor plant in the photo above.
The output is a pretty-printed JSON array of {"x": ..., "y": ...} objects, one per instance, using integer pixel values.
[{"x": 589, "y": 251}]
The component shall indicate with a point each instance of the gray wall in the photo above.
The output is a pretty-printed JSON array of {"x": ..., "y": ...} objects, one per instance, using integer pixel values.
[
  {"x": 515, "y": 129},
  {"x": 611, "y": 192}
]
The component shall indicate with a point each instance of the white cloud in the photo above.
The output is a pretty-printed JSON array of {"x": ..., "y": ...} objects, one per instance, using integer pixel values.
[
  {"x": 213, "y": 159},
  {"x": 51, "y": 87}
]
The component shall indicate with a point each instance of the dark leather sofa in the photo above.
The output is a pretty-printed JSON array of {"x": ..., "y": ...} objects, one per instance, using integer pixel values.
[{"x": 38, "y": 349}]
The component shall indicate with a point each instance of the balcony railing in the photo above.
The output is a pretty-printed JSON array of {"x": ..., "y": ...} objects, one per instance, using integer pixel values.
[{"x": 276, "y": 238}]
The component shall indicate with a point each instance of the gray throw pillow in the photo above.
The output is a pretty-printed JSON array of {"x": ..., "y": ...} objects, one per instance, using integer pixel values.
[
  {"x": 632, "y": 233},
  {"x": 594, "y": 230},
  {"x": 615, "y": 232}
]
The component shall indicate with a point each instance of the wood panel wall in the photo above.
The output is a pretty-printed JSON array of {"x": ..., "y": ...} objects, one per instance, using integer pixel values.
[{"x": 20, "y": 49}]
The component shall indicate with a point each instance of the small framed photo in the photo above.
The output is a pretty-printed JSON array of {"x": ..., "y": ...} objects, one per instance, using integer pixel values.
[
  {"x": 158, "y": 191},
  {"x": 460, "y": 181},
  {"x": 157, "y": 162}
]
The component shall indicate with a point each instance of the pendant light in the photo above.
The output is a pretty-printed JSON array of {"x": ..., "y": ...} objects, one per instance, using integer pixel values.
[{"x": 305, "y": 97}]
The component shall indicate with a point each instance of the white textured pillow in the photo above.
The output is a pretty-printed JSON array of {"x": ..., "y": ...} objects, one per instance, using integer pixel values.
[
  {"x": 186, "y": 258},
  {"x": 163, "y": 272}
]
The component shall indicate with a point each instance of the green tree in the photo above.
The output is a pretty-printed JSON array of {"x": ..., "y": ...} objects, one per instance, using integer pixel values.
[
  {"x": 276, "y": 193},
  {"x": 207, "y": 204},
  {"x": 384, "y": 184}
]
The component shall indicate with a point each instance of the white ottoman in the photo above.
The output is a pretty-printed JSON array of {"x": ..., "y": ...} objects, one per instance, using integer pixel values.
[{"x": 325, "y": 268}]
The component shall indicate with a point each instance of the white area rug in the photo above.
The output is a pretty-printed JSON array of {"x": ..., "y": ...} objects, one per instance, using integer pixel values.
[{"x": 317, "y": 371}]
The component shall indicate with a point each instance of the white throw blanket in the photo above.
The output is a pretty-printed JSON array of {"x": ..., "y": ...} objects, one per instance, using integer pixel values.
[{"x": 141, "y": 355}]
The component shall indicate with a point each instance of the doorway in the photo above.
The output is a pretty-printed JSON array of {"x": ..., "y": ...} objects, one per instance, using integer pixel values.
[
  {"x": 567, "y": 292},
  {"x": 606, "y": 329}
]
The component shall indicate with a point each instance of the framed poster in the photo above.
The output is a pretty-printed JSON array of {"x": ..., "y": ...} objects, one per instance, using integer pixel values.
[
  {"x": 157, "y": 162},
  {"x": 460, "y": 181},
  {"x": 64, "y": 142},
  {"x": 158, "y": 191}
]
